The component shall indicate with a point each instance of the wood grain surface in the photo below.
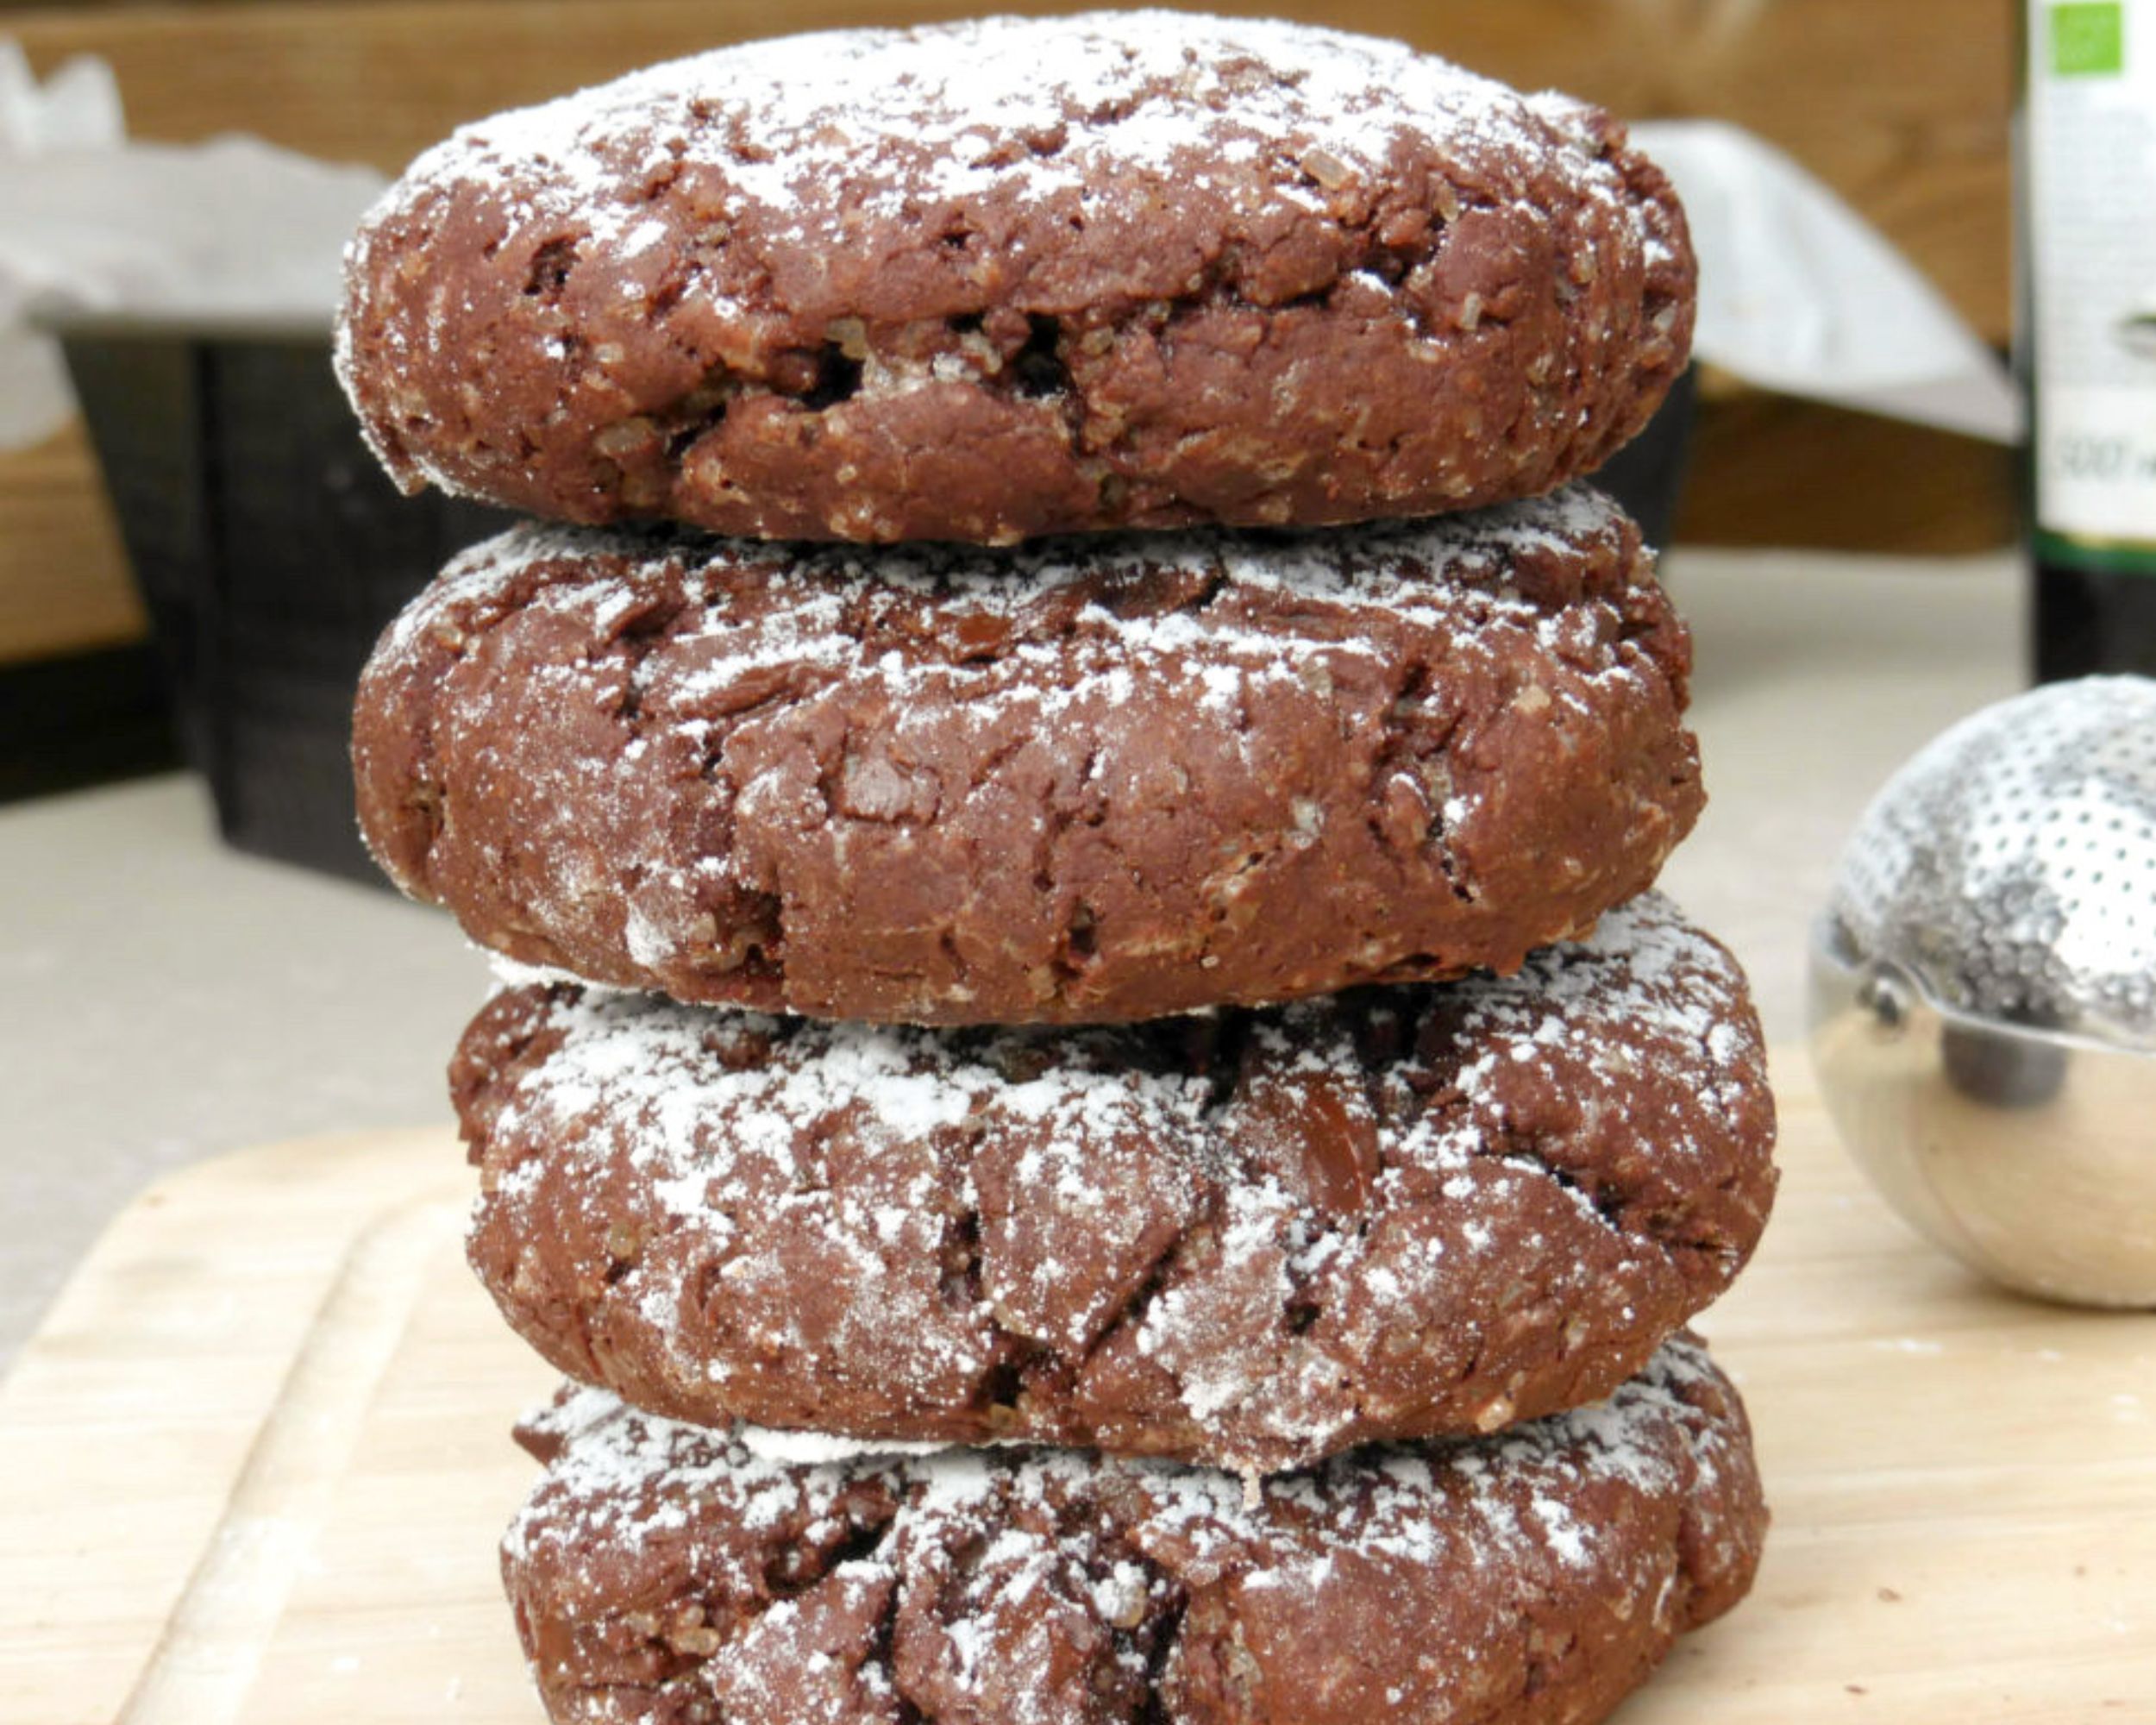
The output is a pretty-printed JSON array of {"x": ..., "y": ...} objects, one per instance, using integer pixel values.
[
  {"x": 255, "y": 1466},
  {"x": 64, "y": 586}
]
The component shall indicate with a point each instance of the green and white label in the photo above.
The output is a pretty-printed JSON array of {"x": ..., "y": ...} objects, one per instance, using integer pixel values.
[
  {"x": 2088, "y": 38},
  {"x": 2091, "y": 153}
]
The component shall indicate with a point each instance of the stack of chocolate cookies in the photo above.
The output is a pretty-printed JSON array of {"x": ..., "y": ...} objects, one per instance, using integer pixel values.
[{"x": 1107, "y": 1125}]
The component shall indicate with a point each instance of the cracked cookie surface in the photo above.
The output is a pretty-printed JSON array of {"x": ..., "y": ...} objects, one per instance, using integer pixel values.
[
  {"x": 1005, "y": 278},
  {"x": 1251, "y": 1239},
  {"x": 663, "y": 1572},
  {"x": 1088, "y": 780}
]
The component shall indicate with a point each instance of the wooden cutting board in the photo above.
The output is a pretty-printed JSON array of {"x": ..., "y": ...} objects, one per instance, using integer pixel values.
[{"x": 253, "y": 1467}]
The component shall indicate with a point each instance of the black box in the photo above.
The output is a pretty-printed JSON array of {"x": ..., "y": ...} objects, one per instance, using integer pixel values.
[{"x": 271, "y": 550}]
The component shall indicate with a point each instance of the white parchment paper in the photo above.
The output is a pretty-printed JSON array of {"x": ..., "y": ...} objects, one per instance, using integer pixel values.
[
  {"x": 229, "y": 231},
  {"x": 1799, "y": 294}
]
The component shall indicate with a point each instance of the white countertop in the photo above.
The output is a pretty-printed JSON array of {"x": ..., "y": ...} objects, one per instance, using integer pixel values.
[{"x": 168, "y": 998}]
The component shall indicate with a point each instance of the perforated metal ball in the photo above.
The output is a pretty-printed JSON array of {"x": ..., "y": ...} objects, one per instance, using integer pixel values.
[{"x": 2010, "y": 867}]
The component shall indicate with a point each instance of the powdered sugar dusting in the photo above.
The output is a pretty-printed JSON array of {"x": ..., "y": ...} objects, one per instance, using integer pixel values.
[
  {"x": 1254, "y": 1209},
  {"x": 1564, "y": 1511},
  {"x": 671, "y": 725},
  {"x": 976, "y": 109},
  {"x": 752, "y": 181},
  {"x": 883, "y": 248},
  {"x": 824, "y": 1449},
  {"x": 1405, "y": 564}
]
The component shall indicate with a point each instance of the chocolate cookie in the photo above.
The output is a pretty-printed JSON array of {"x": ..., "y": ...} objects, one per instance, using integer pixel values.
[
  {"x": 1090, "y": 781},
  {"x": 1010, "y": 277},
  {"x": 1251, "y": 1239},
  {"x": 667, "y": 1573}
]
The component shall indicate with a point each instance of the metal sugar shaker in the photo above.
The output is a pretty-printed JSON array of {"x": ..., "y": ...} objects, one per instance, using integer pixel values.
[{"x": 1984, "y": 992}]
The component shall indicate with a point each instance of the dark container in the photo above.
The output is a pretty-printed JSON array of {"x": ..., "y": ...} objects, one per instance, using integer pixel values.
[
  {"x": 1647, "y": 475},
  {"x": 272, "y": 551}
]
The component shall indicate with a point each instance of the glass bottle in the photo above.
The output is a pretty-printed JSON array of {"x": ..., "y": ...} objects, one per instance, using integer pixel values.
[{"x": 2086, "y": 329}]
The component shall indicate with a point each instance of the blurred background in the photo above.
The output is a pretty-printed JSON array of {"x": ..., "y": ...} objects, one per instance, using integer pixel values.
[
  {"x": 208, "y": 593},
  {"x": 1902, "y": 109}
]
